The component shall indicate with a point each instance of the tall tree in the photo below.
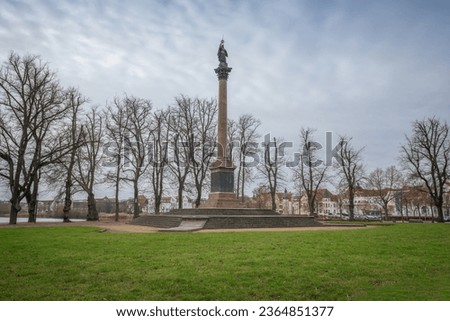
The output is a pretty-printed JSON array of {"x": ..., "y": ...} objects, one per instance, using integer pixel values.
[
  {"x": 31, "y": 98},
  {"x": 247, "y": 127},
  {"x": 270, "y": 168},
  {"x": 180, "y": 126},
  {"x": 160, "y": 141},
  {"x": 75, "y": 102},
  {"x": 193, "y": 133},
  {"x": 340, "y": 186},
  {"x": 233, "y": 149},
  {"x": 385, "y": 182},
  {"x": 69, "y": 138},
  {"x": 116, "y": 124},
  {"x": 232, "y": 136},
  {"x": 88, "y": 159},
  {"x": 137, "y": 141},
  {"x": 351, "y": 169},
  {"x": 425, "y": 156},
  {"x": 310, "y": 171},
  {"x": 202, "y": 142}
]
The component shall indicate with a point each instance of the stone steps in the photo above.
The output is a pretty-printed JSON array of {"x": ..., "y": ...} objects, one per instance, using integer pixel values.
[
  {"x": 162, "y": 221},
  {"x": 187, "y": 225},
  {"x": 232, "y": 222}
]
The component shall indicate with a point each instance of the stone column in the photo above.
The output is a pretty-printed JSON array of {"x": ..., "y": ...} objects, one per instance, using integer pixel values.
[
  {"x": 222, "y": 130},
  {"x": 222, "y": 170}
]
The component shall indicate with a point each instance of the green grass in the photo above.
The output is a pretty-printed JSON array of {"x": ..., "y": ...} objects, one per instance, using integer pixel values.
[{"x": 399, "y": 262}]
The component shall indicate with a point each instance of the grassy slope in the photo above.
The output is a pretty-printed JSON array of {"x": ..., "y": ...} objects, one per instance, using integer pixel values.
[{"x": 401, "y": 262}]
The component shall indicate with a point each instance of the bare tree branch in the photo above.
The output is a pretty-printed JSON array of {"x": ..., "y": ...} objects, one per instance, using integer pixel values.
[
  {"x": 351, "y": 170},
  {"x": 425, "y": 156}
]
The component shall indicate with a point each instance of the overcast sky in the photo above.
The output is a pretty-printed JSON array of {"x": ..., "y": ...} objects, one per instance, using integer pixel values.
[{"x": 365, "y": 69}]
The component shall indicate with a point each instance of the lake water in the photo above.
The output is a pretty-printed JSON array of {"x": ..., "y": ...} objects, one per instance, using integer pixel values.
[{"x": 5, "y": 220}]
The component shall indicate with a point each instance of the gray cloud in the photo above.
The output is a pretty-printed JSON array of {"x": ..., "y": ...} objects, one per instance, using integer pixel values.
[{"x": 365, "y": 69}]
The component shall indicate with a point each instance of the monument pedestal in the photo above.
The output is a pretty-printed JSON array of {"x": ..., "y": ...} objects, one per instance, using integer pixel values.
[
  {"x": 222, "y": 200},
  {"x": 222, "y": 186},
  {"x": 222, "y": 180}
]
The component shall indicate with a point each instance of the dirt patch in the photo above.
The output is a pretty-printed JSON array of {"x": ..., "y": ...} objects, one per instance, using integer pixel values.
[{"x": 105, "y": 225}]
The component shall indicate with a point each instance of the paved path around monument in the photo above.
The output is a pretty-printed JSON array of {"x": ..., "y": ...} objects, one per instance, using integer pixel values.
[{"x": 123, "y": 227}]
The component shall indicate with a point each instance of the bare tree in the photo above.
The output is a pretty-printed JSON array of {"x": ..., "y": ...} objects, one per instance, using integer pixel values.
[
  {"x": 310, "y": 171},
  {"x": 160, "y": 141},
  {"x": 88, "y": 160},
  {"x": 202, "y": 142},
  {"x": 385, "y": 182},
  {"x": 351, "y": 170},
  {"x": 180, "y": 126},
  {"x": 116, "y": 124},
  {"x": 137, "y": 141},
  {"x": 75, "y": 101},
  {"x": 270, "y": 169},
  {"x": 340, "y": 186},
  {"x": 69, "y": 138},
  {"x": 193, "y": 133},
  {"x": 232, "y": 136},
  {"x": 247, "y": 127},
  {"x": 425, "y": 156},
  {"x": 31, "y": 98}
]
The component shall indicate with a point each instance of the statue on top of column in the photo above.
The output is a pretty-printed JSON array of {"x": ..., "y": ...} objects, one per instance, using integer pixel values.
[{"x": 222, "y": 53}]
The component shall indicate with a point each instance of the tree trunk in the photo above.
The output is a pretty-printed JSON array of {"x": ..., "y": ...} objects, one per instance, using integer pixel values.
[
  {"x": 92, "y": 208},
  {"x": 157, "y": 204},
  {"x": 351, "y": 206},
  {"x": 386, "y": 214},
  {"x": 311, "y": 207},
  {"x": 67, "y": 204},
  {"x": 68, "y": 191},
  {"x": 32, "y": 211},
  {"x": 136, "y": 200},
  {"x": 15, "y": 209},
  {"x": 32, "y": 205},
  {"x": 238, "y": 183},
  {"x": 199, "y": 196},
  {"x": 440, "y": 209},
  {"x": 180, "y": 196},
  {"x": 116, "y": 195},
  {"x": 241, "y": 178},
  {"x": 242, "y": 186},
  {"x": 15, "y": 190},
  {"x": 310, "y": 202},
  {"x": 273, "y": 195},
  {"x": 440, "y": 217},
  {"x": 117, "y": 206}
]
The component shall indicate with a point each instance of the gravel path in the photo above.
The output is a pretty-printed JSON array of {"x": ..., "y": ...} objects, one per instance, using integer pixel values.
[{"x": 122, "y": 227}]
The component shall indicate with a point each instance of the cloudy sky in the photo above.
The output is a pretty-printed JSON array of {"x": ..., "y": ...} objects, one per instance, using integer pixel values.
[{"x": 365, "y": 69}]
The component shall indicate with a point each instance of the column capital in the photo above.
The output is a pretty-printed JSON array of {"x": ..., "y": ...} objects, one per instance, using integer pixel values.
[{"x": 222, "y": 71}]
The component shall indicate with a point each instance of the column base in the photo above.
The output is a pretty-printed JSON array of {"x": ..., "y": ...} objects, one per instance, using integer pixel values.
[{"x": 222, "y": 200}]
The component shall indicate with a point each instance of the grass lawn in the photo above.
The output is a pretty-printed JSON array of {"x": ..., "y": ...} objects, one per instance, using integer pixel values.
[{"x": 399, "y": 262}]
